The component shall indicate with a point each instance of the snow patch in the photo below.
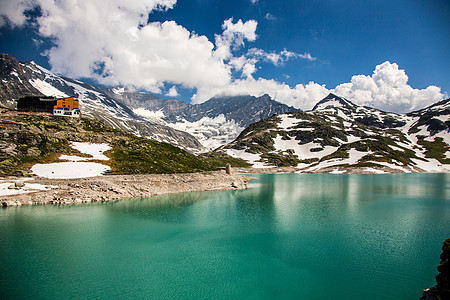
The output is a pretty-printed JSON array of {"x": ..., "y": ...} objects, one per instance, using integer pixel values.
[
  {"x": 27, "y": 187},
  {"x": 210, "y": 132},
  {"x": 374, "y": 171},
  {"x": 329, "y": 104},
  {"x": 77, "y": 167},
  {"x": 337, "y": 171},
  {"x": 392, "y": 166},
  {"x": 354, "y": 157},
  {"x": 302, "y": 151},
  {"x": 396, "y": 148},
  {"x": 287, "y": 121},
  {"x": 96, "y": 150},
  {"x": 68, "y": 170},
  {"x": 442, "y": 118},
  {"x": 118, "y": 90},
  {"x": 249, "y": 157},
  {"x": 46, "y": 88},
  {"x": 431, "y": 165}
]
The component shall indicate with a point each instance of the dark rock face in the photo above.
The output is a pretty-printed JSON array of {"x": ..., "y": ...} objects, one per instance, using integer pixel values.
[
  {"x": 443, "y": 278},
  {"x": 368, "y": 116},
  {"x": 332, "y": 97},
  {"x": 429, "y": 116},
  {"x": 244, "y": 110},
  {"x": 14, "y": 81},
  {"x": 442, "y": 290},
  {"x": 430, "y": 294}
]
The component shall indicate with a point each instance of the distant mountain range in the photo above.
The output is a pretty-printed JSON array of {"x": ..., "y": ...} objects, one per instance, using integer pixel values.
[
  {"x": 197, "y": 128},
  {"x": 336, "y": 136},
  {"x": 340, "y": 137},
  {"x": 214, "y": 123}
]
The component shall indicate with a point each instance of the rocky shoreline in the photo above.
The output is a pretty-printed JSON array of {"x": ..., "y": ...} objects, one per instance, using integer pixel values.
[{"x": 117, "y": 187}]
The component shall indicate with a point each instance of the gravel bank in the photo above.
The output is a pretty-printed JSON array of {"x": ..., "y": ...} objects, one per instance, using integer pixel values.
[{"x": 116, "y": 187}]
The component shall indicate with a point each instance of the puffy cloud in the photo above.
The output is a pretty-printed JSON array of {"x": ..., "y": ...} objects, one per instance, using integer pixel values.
[
  {"x": 172, "y": 92},
  {"x": 388, "y": 89},
  {"x": 111, "y": 42},
  {"x": 12, "y": 12},
  {"x": 233, "y": 37}
]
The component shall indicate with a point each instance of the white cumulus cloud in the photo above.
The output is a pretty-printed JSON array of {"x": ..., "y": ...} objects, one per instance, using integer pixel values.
[
  {"x": 112, "y": 42},
  {"x": 388, "y": 89},
  {"x": 12, "y": 12},
  {"x": 233, "y": 37}
]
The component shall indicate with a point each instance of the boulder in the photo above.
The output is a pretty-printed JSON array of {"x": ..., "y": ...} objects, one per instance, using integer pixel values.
[{"x": 228, "y": 169}]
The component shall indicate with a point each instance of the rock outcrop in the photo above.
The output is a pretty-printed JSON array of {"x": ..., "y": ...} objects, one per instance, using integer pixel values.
[{"x": 442, "y": 289}]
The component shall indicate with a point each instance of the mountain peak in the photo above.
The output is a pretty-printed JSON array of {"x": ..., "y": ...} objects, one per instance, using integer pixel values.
[{"x": 333, "y": 101}]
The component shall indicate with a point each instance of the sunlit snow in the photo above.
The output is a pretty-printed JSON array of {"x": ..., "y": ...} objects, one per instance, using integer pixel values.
[{"x": 77, "y": 167}]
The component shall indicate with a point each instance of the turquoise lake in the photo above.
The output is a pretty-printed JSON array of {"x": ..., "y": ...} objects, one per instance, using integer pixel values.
[{"x": 292, "y": 236}]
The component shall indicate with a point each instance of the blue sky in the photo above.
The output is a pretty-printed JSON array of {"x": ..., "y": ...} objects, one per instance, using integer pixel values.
[{"x": 393, "y": 55}]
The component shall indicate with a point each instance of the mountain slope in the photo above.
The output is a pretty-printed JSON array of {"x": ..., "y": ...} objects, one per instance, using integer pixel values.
[
  {"x": 24, "y": 78},
  {"x": 43, "y": 138},
  {"x": 339, "y": 136},
  {"x": 214, "y": 122},
  {"x": 364, "y": 115}
]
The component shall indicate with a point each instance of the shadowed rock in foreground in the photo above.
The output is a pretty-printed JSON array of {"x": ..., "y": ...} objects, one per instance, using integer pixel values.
[{"x": 442, "y": 289}]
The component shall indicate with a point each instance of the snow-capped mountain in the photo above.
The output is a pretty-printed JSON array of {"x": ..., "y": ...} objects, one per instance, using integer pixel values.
[
  {"x": 19, "y": 79},
  {"x": 214, "y": 123},
  {"x": 197, "y": 128},
  {"x": 362, "y": 114},
  {"x": 339, "y": 136}
]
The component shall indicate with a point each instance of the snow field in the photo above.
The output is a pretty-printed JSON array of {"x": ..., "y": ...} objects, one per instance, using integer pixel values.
[{"x": 77, "y": 166}]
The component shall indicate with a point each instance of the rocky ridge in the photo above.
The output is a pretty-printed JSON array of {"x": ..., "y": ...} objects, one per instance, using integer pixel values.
[
  {"x": 341, "y": 137},
  {"x": 196, "y": 128},
  {"x": 19, "y": 79},
  {"x": 214, "y": 122}
]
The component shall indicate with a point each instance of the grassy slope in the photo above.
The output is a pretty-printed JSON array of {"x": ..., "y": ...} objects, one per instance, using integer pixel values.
[{"x": 44, "y": 138}]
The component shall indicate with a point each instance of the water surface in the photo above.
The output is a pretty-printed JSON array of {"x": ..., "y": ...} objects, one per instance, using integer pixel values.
[{"x": 293, "y": 236}]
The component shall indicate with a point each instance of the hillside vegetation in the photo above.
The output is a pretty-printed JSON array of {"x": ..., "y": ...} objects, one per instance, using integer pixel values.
[
  {"x": 44, "y": 138},
  {"x": 339, "y": 136}
]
